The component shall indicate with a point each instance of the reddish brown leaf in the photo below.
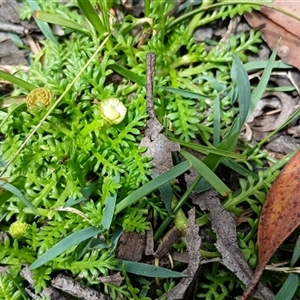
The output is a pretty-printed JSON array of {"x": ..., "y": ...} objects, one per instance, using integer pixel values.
[
  {"x": 280, "y": 216},
  {"x": 277, "y": 25}
]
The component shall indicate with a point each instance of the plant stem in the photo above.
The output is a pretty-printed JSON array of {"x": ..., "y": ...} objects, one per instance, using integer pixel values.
[{"x": 180, "y": 203}]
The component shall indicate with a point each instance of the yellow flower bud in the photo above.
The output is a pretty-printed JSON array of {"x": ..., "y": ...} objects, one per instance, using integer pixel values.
[
  {"x": 38, "y": 95},
  {"x": 18, "y": 229},
  {"x": 112, "y": 110}
]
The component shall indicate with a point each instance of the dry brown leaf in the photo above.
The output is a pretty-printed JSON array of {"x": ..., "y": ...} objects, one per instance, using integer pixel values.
[
  {"x": 282, "y": 106},
  {"x": 280, "y": 216},
  {"x": 278, "y": 25}
]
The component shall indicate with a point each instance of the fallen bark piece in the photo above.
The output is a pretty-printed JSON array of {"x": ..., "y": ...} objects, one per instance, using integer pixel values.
[
  {"x": 224, "y": 227},
  {"x": 74, "y": 288},
  {"x": 184, "y": 289},
  {"x": 280, "y": 216},
  {"x": 115, "y": 279},
  {"x": 169, "y": 240},
  {"x": 50, "y": 292},
  {"x": 158, "y": 146},
  {"x": 131, "y": 246},
  {"x": 149, "y": 247}
]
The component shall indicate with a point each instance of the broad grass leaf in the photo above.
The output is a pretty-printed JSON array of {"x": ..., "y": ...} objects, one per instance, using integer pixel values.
[
  {"x": 65, "y": 244},
  {"x": 153, "y": 185},
  {"x": 289, "y": 288},
  {"x": 280, "y": 216}
]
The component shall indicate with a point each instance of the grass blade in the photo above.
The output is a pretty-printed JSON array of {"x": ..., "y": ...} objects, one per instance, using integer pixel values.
[
  {"x": 65, "y": 244},
  {"x": 296, "y": 253},
  {"x": 90, "y": 13},
  {"x": 9, "y": 187},
  {"x": 238, "y": 168},
  {"x": 217, "y": 121},
  {"x": 207, "y": 149},
  {"x": 147, "y": 270},
  {"x": 262, "y": 64},
  {"x": 109, "y": 210},
  {"x": 260, "y": 89},
  {"x": 167, "y": 196},
  {"x": 59, "y": 20},
  {"x": 17, "y": 81},
  {"x": 128, "y": 74},
  {"x": 153, "y": 185},
  {"x": 289, "y": 288},
  {"x": 184, "y": 93},
  {"x": 207, "y": 173},
  {"x": 240, "y": 76},
  {"x": 44, "y": 27}
]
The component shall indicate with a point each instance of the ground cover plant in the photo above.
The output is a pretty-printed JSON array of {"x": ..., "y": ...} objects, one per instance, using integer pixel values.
[{"x": 75, "y": 177}]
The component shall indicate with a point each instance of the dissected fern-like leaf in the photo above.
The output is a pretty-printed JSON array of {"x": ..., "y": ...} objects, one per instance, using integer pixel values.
[{"x": 135, "y": 221}]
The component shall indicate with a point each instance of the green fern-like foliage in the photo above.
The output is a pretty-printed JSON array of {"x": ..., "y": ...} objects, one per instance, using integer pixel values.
[
  {"x": 91, "y": 265},
  {"x": 116, "y": 292},
  {"x": 8, "y": 290},
  {"x": 135, "y": 220},
  {"x": 252, "y": 191},
  {"x": 218, "y": 284}
]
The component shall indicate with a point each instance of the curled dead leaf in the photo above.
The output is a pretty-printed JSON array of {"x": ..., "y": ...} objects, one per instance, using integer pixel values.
[
  {"x": 271, "y": 112},
  {"x": 280, "y": 216},
  {"x": 277, "y": 25}
]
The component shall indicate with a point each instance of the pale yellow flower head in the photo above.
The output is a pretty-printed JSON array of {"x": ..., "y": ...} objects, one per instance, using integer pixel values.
[
  {"x": 112, "y": 110},
  {"x": 18, "y": 229}
]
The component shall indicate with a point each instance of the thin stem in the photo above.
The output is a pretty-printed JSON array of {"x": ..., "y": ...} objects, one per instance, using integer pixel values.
[{"x": 180, "y": 203}]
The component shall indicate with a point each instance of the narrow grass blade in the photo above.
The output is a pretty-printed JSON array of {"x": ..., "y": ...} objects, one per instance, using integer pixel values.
[
  {"x": 184, "y": 93},
  {"x": 17, "y": 81},
  {"x": 44, "y": 27},
  {"x": 147, "y": 270},
  {"x": 296, "y": 253},
  {"x": 128, "y": 74},
  {"x": 262, "y": 64},
  {"x": 9, "y": 187},
  {"x": 212, "y": 160},
  {"x": 167, "y": 196},
  {"x": 207, "y": 149},
  {"x": 65, "y": 244},
  {"x": 207, "y": 173},
  {"x": 90, "y": 13},
  {"x": 153, "y": 185},
  {"x": 289, "y": 288},
  {"x": 109, "y": 210},
  {"x": 59, "y": 20},
  {"x": 240, "y": 76},
  {"x": 16, "y": 40},
  {"x": 217, "y": 121},
  {"x": 238, "y": 168},
  {"x": 259, "y": 90}
]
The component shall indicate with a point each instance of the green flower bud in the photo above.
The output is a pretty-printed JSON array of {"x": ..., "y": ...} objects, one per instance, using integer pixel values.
[
  {"x": 18, "y": 229},
  {"x": 112, "y": 110},
  {"x": 181, "y": 221}
]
